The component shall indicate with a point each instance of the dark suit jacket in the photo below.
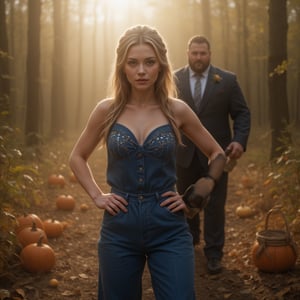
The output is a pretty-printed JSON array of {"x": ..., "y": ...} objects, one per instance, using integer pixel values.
[{"x": 223, "y": 111}]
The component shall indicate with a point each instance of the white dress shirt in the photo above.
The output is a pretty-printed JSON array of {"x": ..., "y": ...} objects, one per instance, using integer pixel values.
[{"x": 193, "y": 79}]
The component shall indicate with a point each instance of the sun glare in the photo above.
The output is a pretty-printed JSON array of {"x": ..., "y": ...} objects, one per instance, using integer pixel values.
[
  {"x": 116, "y": 10},
  {"x": 118, "y": 5}
]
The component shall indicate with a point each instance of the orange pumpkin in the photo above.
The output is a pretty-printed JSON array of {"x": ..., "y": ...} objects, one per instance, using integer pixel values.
[
  {"x": 84, "y": 207},
  {"x": 37, "y": 257},
  {"x": 247, "y": 182},
  {"x": 26, "y": 221},
  {"x": 244, "y": 211},
  {"x": 273, "y": 258},
  {"x": 53, "y": 228},
  {"x": 31, "y": 235},
  {"x": 53, "y": 282},
  {"x": 65, "y": 202},
  {"x": 55, "y": 180}
]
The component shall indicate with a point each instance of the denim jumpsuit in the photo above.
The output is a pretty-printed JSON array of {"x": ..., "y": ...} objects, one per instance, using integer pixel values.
[{"x": 147, "y": 232}]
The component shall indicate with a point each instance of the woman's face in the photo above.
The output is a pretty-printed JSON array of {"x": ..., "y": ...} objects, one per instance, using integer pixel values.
[{"x": 141, "y": 67}]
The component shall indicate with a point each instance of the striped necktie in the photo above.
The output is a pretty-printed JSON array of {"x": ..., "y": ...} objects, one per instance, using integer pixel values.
[{"x": 198, "y": 91}]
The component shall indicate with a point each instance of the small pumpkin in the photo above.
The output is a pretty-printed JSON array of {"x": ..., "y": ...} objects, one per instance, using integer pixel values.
[
  {"x": 65, "y": 202},
  {"x": 55, "y": 180},
  {"x": 53, "y": 228},
  {"x": 26, "y": 221},
  {"x": 244, "y": 211},
  {"x": 37, "y": 257},
  {"x": 53, "y": 282},
  {"x": 31, "y": 235},
  {"x": 84, "y": 207},
  {"x": 247, "y": 182}
]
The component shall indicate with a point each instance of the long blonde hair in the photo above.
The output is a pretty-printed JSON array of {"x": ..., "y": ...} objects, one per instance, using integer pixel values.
[{"x": 164, "y": 87}]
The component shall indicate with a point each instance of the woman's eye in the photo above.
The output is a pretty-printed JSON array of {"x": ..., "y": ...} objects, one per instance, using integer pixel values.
[
  {"x": 150, "y": 62},
  {"x": 131, "y": 63}
]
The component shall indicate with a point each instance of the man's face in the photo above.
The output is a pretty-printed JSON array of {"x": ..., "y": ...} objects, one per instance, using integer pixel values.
[{"x": 198, "y": 57}]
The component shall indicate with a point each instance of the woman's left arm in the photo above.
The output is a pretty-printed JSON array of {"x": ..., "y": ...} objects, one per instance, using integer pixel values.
[
  {"x": 197, "y": 195},
  {"x": 191, "y": 126}
]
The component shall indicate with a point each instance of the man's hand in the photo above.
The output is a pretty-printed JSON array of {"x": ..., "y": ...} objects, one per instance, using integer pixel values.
[{"x": 197, "y": 195}]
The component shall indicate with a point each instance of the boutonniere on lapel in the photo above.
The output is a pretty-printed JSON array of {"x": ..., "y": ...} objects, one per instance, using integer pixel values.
[{"x": 217, "y": 78}]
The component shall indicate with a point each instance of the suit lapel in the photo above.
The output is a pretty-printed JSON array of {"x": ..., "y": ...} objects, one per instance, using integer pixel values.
[
  {"x": 186, "y": 88},
  {"x": 210, "y": 84}
]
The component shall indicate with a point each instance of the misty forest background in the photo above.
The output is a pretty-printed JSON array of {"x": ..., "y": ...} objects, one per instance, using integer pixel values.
[{"x": 56, "y": 57}]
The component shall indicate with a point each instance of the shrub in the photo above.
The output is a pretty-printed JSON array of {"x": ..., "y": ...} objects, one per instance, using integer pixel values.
[
  {"x": 284, "y": 179},
  {"x": 19, "y": 187}
]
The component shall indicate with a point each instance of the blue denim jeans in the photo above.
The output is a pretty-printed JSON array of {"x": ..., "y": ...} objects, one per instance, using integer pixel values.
[{"x": 146, "y": 233}]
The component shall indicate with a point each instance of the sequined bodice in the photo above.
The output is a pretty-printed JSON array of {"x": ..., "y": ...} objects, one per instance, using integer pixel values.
[{"x": 145, "y": 168}]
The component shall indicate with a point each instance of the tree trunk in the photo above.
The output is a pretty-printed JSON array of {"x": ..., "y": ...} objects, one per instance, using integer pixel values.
[
  {"x": 80, "y": 62},
  {"x": 33, "y": 73},
  {"x": 58, "y": 71},
  {"x": 246, "y": 70},
  {"x": 277, "y": 79},
  {"x": 95, "y": 53},
  {"x": 4, "y": 67},
  {"x": 225, "y": 32},
  {"x": 196, "y": 17},
  {"x": 206, "y": 13}
]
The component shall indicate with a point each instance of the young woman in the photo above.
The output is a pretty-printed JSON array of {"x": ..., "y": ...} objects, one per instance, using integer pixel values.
[{"x": 144, "y": 217}]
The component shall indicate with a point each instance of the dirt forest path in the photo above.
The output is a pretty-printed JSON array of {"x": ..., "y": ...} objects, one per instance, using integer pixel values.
[{"x": 76, "y": 266}]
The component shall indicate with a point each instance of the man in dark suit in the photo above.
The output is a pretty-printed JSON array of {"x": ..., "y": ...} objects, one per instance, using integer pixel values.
[{"x": 217, "y": 99}]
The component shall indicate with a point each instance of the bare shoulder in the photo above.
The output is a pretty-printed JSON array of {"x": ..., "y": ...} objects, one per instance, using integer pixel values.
[
  {"x": 100, "y": 111},
  {"x": 179, "y": 107},
  {"x": 104, "y": 105},
  {"x": 183, "y": 113}
]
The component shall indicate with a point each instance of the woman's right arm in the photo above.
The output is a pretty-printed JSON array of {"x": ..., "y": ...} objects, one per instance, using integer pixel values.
[{"x": 78, "y": 161}]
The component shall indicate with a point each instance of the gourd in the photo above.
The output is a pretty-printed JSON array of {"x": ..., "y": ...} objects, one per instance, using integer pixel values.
[
  {"x": 26, "y": 221},
  {"x": 31, "y": 235},
  {"x": 55, "y": 180},
  {"x": 53, "y": 228},
  {"x": 247, "y": 182},
  {"x": 37, "y": 257},
  {"x": 53, "y": 282},
  {"x": 84, "y": 207},
  {"x": 244, "y": 211},
  {"x": 65, "y": 202}
]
